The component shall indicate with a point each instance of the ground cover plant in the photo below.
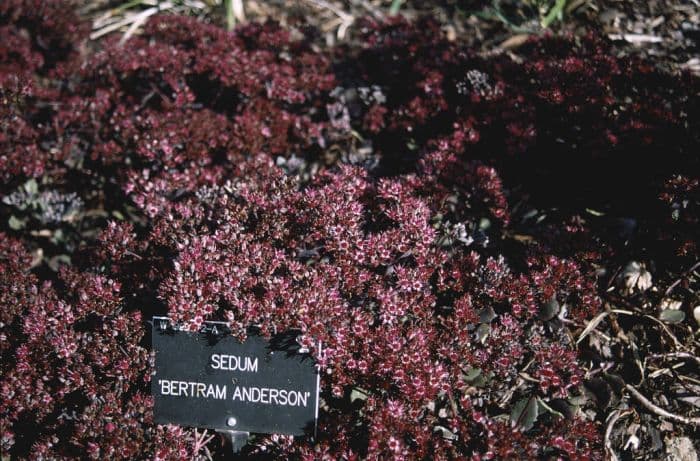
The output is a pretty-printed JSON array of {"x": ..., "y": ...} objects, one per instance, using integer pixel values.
[{"x": 498, "y": 252}]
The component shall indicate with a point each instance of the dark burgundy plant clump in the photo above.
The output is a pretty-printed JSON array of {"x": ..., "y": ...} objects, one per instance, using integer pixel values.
[
  {"x": 351, "y": 261},
  {"x": 564, "y": 109},
  {"x": 166, "y": 175}
]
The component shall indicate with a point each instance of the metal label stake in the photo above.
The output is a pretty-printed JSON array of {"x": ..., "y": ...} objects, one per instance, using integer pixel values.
[{"x": 238, "y": 439}]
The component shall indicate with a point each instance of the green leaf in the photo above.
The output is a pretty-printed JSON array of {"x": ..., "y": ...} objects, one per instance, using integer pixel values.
[
  {"x": 358, "y": 394},
  {"x": 445, "y": 432},
  {"x": 549, "y": 309},
  {"x": 472, "y": 374},
  {"x": 395, "y": 7},
  {"x": 486, "y": 315},
  {"x": 482, "y": 332},
  {"x": 16, "y": 223},
  {"x": 530, "y": 214},
  {"x": 595, "y": 212},
  {"x": 476, "y": 377},
  {"x": 58, "y": 237},
  {"x": 57, "y": 261},
  {"x": 31, "y": 187},
  {"x": 525, "y": 413},
  {"x": 230, "y": 16},
  {"x": 672, "y": 316},
  {"x": 577, "y": 400},
  {"x": 544, "y": 406},
  {"x": 562, "y": 407},
  {"x": 557, "y": 12}
]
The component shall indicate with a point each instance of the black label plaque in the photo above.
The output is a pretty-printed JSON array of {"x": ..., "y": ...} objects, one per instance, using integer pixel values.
[{"x": 210, "y": 379}]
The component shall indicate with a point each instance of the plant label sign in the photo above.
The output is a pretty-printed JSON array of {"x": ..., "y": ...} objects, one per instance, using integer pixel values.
[{"x": 210, "y": 379}]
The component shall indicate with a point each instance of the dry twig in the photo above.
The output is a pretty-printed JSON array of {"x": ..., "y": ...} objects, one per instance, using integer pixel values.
[
  {"x": 679, "y": 279},
  {"x": 646, "y": 403},
  {"x": 138, "y": 18},
  {"x": 636, "y": 38},
  {"x": 346, "y": 19},
  {"x": 675, "y": 355},
  {"x": 612, "y": 419}
]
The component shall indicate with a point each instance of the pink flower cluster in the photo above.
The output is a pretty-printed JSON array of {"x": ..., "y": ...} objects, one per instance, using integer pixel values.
[{"x": 352, "y": 261}]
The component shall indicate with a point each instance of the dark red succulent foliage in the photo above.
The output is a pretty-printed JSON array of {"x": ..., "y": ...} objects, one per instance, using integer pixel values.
[{"x": 402, "y": 264}]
